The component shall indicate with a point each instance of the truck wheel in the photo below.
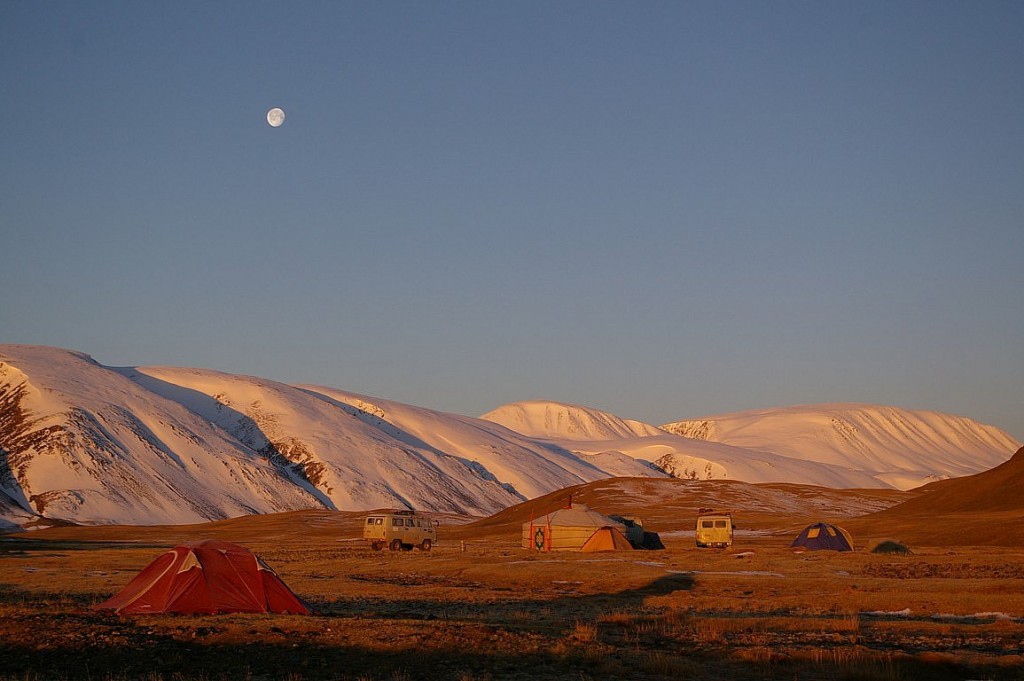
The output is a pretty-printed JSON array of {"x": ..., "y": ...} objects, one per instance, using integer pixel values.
[
  {"x": 425, "y": 546},
  {"x": 377, "y": 545},
  {"x": 396, "y": 545}
]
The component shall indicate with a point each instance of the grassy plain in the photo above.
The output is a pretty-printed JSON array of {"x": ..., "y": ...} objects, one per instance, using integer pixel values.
[{"x": 496, "y": 611}]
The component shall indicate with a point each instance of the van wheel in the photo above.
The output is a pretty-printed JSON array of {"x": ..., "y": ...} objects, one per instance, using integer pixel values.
[
  {"x": 396, "y": 545},
  {"x": 425, "y": 546},
  {"x": 377, "y": 545}
]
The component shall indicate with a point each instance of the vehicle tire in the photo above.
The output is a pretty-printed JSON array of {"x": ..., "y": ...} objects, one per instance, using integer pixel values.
[
  {"x": 425, "y": 546},
  {"x": 396, "y": 545},
  {"x": 377, "y": 545}
]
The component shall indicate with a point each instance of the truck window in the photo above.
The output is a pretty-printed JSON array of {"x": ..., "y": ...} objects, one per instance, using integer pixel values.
[
  {"x": 378, "y": 521},
  {"x": 397, "y": 522},
  {"x": 720, "y": 523},
  {"x": 707, "y": 523},
  {"x": 410, "y": 523}
]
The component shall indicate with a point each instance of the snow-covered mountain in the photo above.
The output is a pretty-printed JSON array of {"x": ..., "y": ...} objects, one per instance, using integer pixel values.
[
  {"x": 901, "y": 447},
  {"x": 362, "y": 452},
  {"x": 82, "y": 442},
  {"x": 831, "y": 445},
  {"x": 87, "y": 443},
  {"x": 558, "y": 421}
]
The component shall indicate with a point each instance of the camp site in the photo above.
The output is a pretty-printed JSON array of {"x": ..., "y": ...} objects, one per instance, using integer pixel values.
[{"x": 304, "y": 596}]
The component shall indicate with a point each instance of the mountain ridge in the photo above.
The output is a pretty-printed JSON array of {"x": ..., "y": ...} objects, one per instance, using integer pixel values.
[
  {"x": 86, "y": 443},
  {"x": 832, "y": 444},
  {"x": 898, "y": 446}
]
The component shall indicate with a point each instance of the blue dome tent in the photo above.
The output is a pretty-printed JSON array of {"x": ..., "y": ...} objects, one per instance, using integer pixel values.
[{"x": 822, "y": 536}]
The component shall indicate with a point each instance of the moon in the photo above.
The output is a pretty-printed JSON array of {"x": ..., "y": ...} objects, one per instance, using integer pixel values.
[{"x": 275, "y": 117}]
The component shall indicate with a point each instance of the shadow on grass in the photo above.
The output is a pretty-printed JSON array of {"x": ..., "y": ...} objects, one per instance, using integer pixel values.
[
  {"x": 129, "y": 651},
  {"x": 16, "y": 546},
  {"x": 547, "y": 614},
  {"x": 528, "y": 639},
  {"x": 183, "y": 661}
]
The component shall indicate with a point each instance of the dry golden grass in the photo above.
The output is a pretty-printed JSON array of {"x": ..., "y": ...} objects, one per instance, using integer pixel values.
[{"x": 496, "y": 611}]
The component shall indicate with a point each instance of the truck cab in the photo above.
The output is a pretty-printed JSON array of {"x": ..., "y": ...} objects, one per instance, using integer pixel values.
[
  {"x": 400, "y": 531},
  {"x": 714, "y": 530}
]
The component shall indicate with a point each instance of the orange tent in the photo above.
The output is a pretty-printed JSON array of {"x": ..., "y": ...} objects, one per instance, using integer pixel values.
[
  {"x": 206, "y": 577},
  {"x": 607, "y": 539}
]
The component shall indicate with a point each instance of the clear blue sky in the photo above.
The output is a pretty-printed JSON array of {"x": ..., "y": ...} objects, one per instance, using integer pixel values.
[{"x": 663, "y": 209}]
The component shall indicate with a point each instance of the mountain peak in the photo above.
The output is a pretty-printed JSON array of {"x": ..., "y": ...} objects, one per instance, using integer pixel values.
[{"x": 548, "y": 419}]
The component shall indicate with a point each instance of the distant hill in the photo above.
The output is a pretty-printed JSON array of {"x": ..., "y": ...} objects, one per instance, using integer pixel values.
[
  {"x": 998, "y": 489},
  {"x": 833, "y": 445},
  {"x": 983, "y": 509},
  {"x": 672, "y": 505},
  {"x": 666, "y": 506},
  {"x": 159, "y": 445},
  {"x": 555, "y": 420},
  {"x": 904, "y": 448},
  {"x": 86, "y": 443}
]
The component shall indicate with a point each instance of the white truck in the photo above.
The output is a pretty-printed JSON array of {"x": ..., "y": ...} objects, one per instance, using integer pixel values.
[{"x": 400, "y": 531}]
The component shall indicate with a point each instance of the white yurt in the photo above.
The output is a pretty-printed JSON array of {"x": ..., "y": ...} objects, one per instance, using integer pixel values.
[{"x": 576, "y": 528}]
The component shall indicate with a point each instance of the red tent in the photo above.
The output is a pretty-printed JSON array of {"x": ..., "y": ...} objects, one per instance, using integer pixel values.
[{"x": 206, "y": 577}]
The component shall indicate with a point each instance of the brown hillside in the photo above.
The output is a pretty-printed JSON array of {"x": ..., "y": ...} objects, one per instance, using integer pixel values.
[
  {"x": 670, "y": 505},
  {"x": 977, "y": 510},
  {"x": 275, "y": 529},
  {"x": 998, "y": 489},
  {"x": 665, "y": 506}
]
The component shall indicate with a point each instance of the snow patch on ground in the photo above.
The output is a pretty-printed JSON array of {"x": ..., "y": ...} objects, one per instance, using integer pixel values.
[
  {"x": 754, "y": 573},
  {"x": 887, "y": 613},
  {"x": 976, "y": 616}
]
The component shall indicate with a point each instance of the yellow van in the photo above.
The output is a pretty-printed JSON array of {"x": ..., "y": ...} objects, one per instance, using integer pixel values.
[
  {"x": 400, "y": 531},
  {"x": 714, "y": 530}
]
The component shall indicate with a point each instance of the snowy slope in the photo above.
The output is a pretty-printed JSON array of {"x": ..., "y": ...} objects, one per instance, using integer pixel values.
[
  {"x": 696, "y": 460},
  {"x": 901, "y": 447},
  {"x": 364, "y": 453},
  {"x": 588, "y": 431},
  {"x": 12, "y": 515},
  {"x": 83, "y": 443},
  {"x": 352, "y": 464},
  {"x": 89, "y": 443},
  {"x": 558, "y": 421},
  {"x": 92, "y": 444},
  {"x": 842, "y": 446},
  {"x": 531, "y": 467}
]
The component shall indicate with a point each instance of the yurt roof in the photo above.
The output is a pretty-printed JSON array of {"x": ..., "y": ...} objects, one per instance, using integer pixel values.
[{"x": 577, "y": 516}]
